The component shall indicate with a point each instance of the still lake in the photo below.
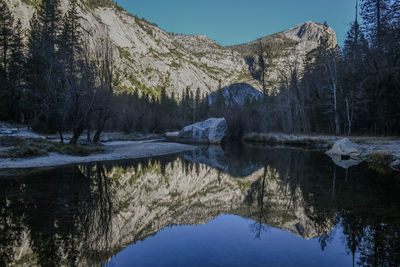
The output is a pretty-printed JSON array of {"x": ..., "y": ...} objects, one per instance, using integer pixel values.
[{"x": 231, "y": 206}]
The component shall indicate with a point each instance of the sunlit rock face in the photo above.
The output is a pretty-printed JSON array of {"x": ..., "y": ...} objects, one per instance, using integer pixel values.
[
  {"x": 148, "y": 58},
  {"x": 210, "y": 131},
  {"x": 287, "y": 49}
]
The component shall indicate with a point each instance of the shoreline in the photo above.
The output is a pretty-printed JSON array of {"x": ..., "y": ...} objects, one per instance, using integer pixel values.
[
  {"x": 117, "y": 150},
  {"x": 371, "y": 147}
]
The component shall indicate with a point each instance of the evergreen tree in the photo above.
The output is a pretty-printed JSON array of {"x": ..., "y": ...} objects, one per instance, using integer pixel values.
[
  {"x": 34, "y": 73},
  {"x": 16, "y": 72},
  {"x": 3, "y": 95},
  {"x": 6, "y": 30},
  {"x": 376, "y": 15},
  {"x": 49, "y": 15},
  {"x": 44, "y": 71},
  {"x": 218, "y": 107},
  {"x": 197, "y": 102},
  {"x": 70, "y": 38}
]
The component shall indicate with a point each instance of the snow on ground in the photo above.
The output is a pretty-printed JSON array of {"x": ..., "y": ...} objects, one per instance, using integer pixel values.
[
  {"x": 7, "y": 129},
  {"x": 114, "y": 151}
]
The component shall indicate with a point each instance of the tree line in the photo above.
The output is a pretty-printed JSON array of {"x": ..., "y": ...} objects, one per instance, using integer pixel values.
[
  {"x": 354, "y": 89},
  {"x": 51, "y": 77},
  {"x": 56, "y": 78}
]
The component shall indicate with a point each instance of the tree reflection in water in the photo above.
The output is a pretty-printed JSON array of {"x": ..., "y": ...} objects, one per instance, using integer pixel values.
[{"x": 82, "y": 215}]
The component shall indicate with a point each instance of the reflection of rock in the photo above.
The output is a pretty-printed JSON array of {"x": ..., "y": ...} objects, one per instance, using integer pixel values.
[
  {"x": 345, "y": 153},
  {"x": 212, "y": 156},
  {"x": 395, "y": 165},
  {"x": 215, "y": 157},
  {"x": 343, "y": 162},
  {"x": 282, "y": 206},
  {"x": 136, "y": 200},
  {"x": 210, "y": 131}
]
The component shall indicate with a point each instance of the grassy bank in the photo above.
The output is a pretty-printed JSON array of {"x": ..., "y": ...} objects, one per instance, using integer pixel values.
[
  {"x": 291, "y": 140},
  {"x": 15, "y": 147}
]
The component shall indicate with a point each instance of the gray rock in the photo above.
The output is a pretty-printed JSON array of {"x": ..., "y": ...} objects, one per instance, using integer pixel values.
[
  {"x": 171, "y": 134},
  {"x": 210, "y": 131},
  {"x": 395, "y": 165},
  {"x": 346, "y": 154},
  {"x": 236, "y": 94},
  {"x": 346, "y": 148}
]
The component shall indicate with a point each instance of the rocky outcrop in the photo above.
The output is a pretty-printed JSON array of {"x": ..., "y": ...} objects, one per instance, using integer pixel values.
[
  {"x": 210, "y": 131},
  {"x": 236, "y": 94},
  {"x": 148, "y": 58},
  {"x": 288, "y": 48}
]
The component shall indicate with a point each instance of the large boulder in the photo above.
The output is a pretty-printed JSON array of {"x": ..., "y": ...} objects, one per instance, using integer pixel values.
[
  {"x": 210, "y": 131},
  {"x": 345, "y": 153},
  {"x": 346, "y": 149},
  {"x": 395, "y": 164}
]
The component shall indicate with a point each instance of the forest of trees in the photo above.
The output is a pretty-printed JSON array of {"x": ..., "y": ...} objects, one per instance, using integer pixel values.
[
  {"x": 349, "y": 89},
  {"x": 57, "y": 79},
  {"x": 49, "y": 78}
]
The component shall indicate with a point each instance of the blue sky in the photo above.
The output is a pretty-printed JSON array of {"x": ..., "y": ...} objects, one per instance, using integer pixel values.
[{"x": 237, "y": 21}]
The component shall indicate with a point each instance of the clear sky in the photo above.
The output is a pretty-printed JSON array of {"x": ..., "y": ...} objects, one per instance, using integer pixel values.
[{"x": 237, "y": 21}]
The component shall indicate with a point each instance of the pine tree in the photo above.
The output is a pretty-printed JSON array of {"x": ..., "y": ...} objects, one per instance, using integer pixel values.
[
  {"x": 16, "y": 72},
  {"x": 218, "y": 106},
  {"x": 44, "y": 71},
  {"x": 34, "y": 73},
  {"x": 70, "y": 38},
  {"x": 49, "y": 15},
  {"x": 262, "y": 66},
  {"x": 164, "y": 98},
  {"x": 376, "y": 17},
  {"x": 6, "y": 30},
  {"x": 3, "y": 95},
  {"x": 197, "y": 102}
]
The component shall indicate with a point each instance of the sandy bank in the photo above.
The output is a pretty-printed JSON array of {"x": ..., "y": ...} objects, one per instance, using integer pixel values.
[{"x": 114, "y": 151}]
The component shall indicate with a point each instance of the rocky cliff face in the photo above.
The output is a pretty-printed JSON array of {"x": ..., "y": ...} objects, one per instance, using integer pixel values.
[
  {"x": 148, "y": 58},
  {"x": 287, "y": 51}
]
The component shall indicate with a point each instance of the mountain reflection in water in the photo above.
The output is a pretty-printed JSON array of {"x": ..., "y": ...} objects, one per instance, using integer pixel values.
[{"x": 279, "y": 197}]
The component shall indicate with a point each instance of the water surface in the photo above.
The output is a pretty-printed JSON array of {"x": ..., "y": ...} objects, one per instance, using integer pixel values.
[{"x": 237, "y": 206}]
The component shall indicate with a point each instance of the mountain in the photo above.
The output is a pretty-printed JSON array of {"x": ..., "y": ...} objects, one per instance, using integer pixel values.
[
  {"x": 288, "y": 50},
  {"x": 148, "y": 58}
]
